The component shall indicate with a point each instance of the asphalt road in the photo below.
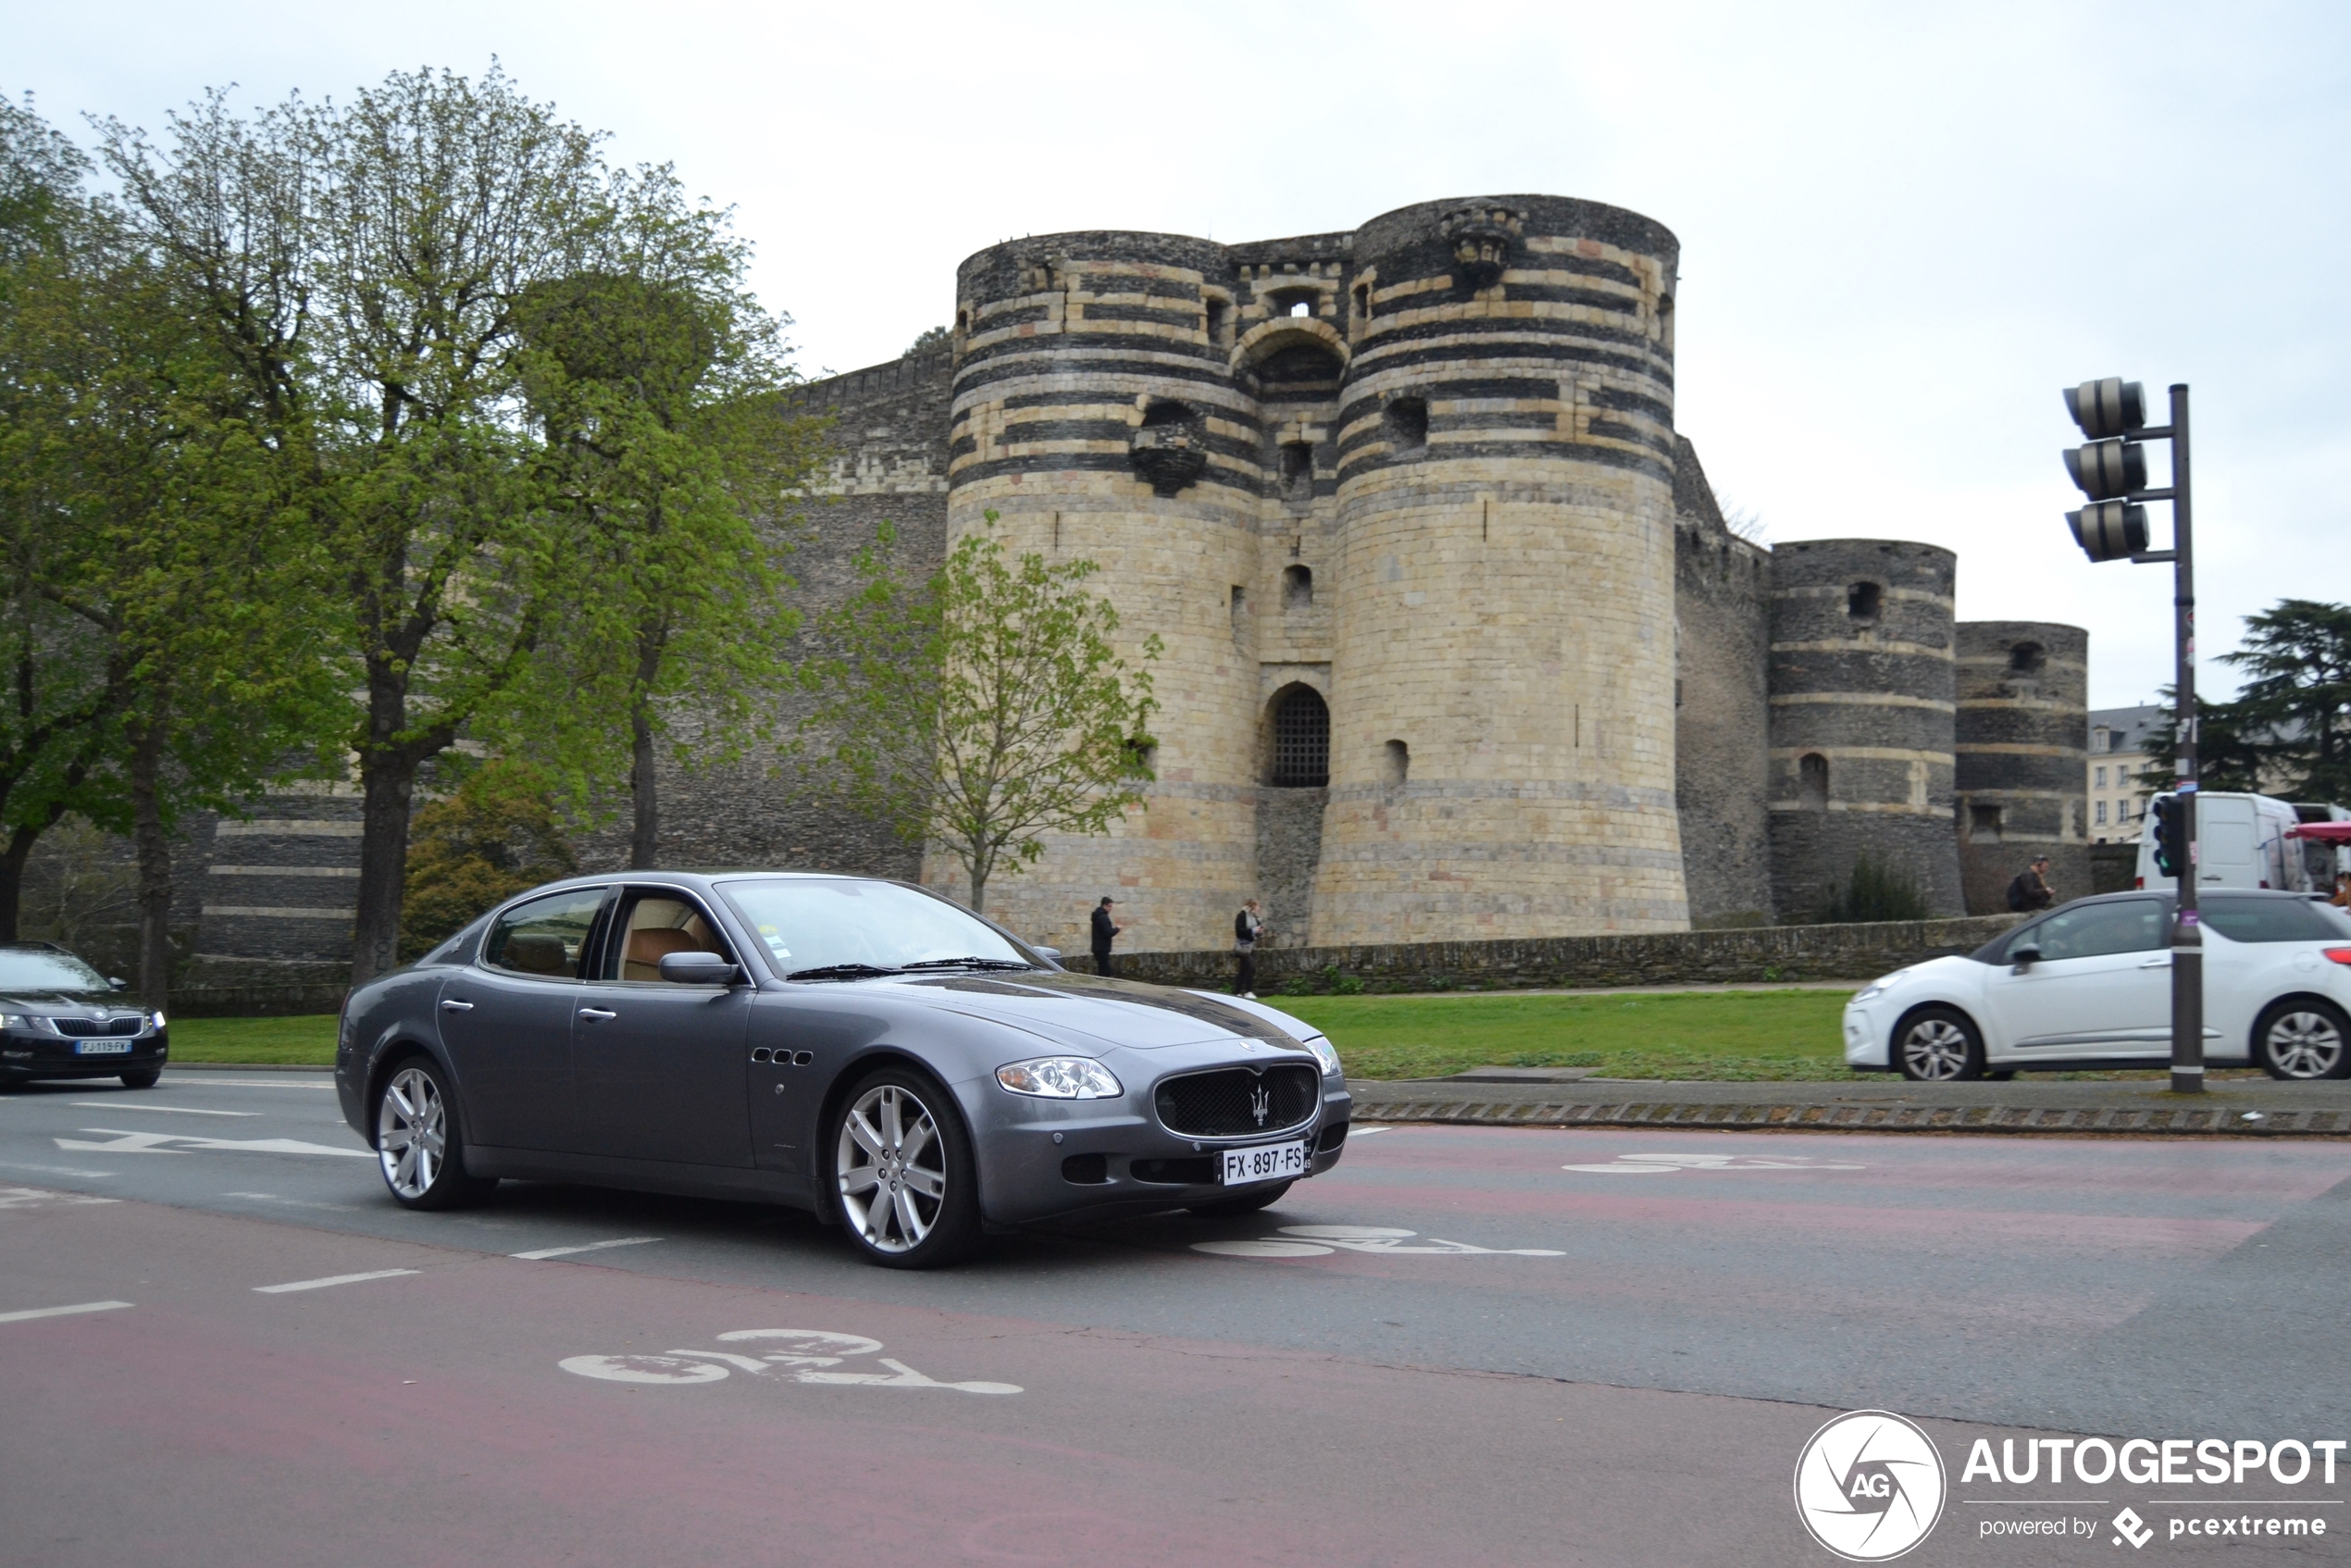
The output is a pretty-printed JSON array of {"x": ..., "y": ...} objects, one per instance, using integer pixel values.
[{"x": 1499, "y": 1345}]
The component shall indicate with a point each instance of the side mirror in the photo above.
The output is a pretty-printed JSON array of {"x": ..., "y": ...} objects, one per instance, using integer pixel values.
[
  {"x": 2023, "y": 958},
  {"x": 697, "y": 969},
  {"x": 116, "y": 982},
  {"x": 1052, "y": 952}
]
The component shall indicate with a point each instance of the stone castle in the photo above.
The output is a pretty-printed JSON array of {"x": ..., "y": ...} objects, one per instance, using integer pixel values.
[{"x": 1458, "y": 644}]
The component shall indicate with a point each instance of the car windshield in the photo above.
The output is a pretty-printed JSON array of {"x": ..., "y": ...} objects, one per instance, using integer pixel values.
[
  {"x": 808, "y": 924},
  {"x": 33, "y": 969}
]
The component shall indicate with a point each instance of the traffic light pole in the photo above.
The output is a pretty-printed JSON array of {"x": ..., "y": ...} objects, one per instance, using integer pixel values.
[{"x": 2187, "y": 931}]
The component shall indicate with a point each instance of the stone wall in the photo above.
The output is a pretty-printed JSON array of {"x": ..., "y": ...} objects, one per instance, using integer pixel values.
[
  {"x": 2023, "y": 746},
  {"x": 1721, "y": 586},
  {"x": 1758, "y": 957}
]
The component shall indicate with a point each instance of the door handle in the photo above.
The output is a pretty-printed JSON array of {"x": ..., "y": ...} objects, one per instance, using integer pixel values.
[
  {"x": 2163, "y": 963},
  {"x": 599, "y": 1013},
  {"x": 452, "y": 1005}
]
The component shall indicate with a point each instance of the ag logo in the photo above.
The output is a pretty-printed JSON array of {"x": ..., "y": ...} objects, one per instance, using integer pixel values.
[{"x": 1868, "y": 1485}]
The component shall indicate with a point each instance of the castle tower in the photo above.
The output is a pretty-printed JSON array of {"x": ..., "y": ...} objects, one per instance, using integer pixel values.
[
  {"x": 1501, "y": 694},
  {"x": 2023, "y": 737},
  {"x": 1862, "y": 720},
  {"x": 1095, "y": 410}
]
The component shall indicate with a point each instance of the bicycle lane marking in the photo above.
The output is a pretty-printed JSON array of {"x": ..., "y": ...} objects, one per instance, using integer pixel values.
[{"x": 810, "y": 1355}]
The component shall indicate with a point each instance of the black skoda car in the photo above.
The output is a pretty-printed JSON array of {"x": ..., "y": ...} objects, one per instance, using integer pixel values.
[
  {"x": 862, "y": 1049},
  {"x": 60, "y": 1018}
]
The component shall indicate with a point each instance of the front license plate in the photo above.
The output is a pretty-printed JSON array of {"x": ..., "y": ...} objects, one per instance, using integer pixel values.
[
  {"x": 1267, "y": 1161},
  {"x": 101, "y": 1048}
]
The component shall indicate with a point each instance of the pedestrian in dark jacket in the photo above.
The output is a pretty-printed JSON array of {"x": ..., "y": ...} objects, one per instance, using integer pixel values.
[
  {"x": 1245, "y": 927},
  {"x": 2031, "y": 890},
  {"x": 1105, "y": 931}
]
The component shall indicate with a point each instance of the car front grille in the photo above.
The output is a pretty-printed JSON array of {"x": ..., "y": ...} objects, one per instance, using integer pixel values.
[
  {"x": 86, "y": 1029},
  {"x": 1236, "y": 1102}
]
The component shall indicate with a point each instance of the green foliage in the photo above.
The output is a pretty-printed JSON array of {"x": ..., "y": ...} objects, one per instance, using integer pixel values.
[
  {"x": 1876, "y": 892},
  {"x": 2230, "y": 755},
  {"x": 2296, "y": 659},
  {"x": 983, "y": 708},
  {"x": 497, "y": 836}
]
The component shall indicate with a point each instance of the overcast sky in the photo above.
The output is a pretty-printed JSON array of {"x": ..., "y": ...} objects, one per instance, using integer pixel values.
[{"x": 1903, "y": 228}]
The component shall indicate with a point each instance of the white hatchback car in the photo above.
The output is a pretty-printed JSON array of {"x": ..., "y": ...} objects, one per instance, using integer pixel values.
[{"x": 2089, "y": 985}]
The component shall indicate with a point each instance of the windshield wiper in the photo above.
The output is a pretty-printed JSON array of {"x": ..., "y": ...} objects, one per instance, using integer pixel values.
[
  {"x": 841, "y": 972},
  {"x": 971, "y": 963}
]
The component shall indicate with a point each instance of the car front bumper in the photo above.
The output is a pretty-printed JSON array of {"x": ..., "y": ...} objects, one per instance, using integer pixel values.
[
  {"x": 26, "y": 1055},
  {"x": 1055, "y": 1159},
  {"x": 1865, "y": 1046}
]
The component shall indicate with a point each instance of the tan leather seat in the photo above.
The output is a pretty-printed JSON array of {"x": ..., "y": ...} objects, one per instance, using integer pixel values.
[
  {"x": 536, "y": 953},
  {"x": 647, "y": 946}
]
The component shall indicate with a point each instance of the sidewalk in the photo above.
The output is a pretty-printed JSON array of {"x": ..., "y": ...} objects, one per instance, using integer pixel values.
[{"x": 2140, "y": 1105}]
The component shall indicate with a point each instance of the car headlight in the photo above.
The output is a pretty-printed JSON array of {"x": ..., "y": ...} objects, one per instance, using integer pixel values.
[
  {"x": 1061, "y": 1078},
  {"x": 1880, "y": 986},
  {"x": 158, "y": 1020},
  {"x": 14, "y": 1021},
  {"x": 1324, "y": 1052}
]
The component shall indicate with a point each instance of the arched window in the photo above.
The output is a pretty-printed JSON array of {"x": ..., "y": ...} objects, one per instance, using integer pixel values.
[
  {"x": 1301, "y": 740},
  {"x": 1399, "y": 762},
  {"x": 1298, "y": 470},
  {"x": 1812, "y": 781},
  {"x": 1298, "y": 588}
]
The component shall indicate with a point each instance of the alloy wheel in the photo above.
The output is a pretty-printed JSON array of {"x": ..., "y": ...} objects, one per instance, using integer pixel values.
[
  {"x": 1934, "y": 1049},
  {"x": 412, "y": 1132},
  {"x": 891, "y": 1166},
  {"x": 2304, "y": 1045}
]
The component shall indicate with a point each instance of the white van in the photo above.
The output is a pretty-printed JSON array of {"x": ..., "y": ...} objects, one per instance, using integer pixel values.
[{"x": 2241, "y": 842}]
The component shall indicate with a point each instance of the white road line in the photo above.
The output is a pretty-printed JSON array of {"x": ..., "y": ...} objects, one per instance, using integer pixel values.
[
  {"x": 62, "y": 1311},
  {"x": 331, "y": 1279},
  {"x": 296, "y": 1202},
  {"x": 590, "y": 1247},
  {"x": 221, "y": 1080},
  {"x": 53, "y": 1170},
  {"x": 143, "y": 1105}
]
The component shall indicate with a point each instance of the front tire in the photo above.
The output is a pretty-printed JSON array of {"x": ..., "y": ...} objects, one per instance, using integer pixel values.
[
  {"x": 2302, "y": 1039},
  {"x": 905, "y": 1183},
  {"x": 145, "y": 1079},
  {"x": 1248, "y": 1203},
  {"x": 418, "y": 1142},
  {"x": 1938, "y": 1045}
]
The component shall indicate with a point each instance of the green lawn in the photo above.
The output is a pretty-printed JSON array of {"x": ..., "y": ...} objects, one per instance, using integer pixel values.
[
  {"x": 301, "y": 1041},
  {"x": 1720, "y": 1034}
]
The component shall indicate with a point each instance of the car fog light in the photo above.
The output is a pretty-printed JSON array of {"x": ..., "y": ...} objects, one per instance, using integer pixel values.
[{"x": 1061, "y": 1078}]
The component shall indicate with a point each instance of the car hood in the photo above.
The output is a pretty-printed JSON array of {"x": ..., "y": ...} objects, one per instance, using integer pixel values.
[
  {"x": 1088, "y": 1013},
  {"x": 70, "y": 1004}
]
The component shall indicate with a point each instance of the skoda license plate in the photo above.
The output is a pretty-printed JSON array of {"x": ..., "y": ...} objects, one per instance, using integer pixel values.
[
  {"x": 101, "y": 1047},
  {"x": 1267, "y": 1161}
]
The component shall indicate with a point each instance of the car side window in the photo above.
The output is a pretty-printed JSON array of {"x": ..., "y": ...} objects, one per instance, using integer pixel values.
[
  {"x": 544, "y": 938},
  {"x": 2272, "y": 919},
  {"x": 2097, "y": 930},
  {"x": 653, "y": 925}
]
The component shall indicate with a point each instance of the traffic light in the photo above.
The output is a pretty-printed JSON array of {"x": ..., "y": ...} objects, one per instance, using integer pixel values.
[
  {"x": 2163, "y": 814},
  {"x": 2109, "y": 468}
]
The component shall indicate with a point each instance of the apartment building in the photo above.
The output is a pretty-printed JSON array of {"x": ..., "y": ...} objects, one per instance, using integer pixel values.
[{"x": 2118, "y": 753}]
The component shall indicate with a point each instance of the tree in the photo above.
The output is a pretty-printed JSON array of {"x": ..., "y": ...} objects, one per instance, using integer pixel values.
[
  {"x": 2297, "y": 659},
  {"x": 982, "y": 708},
  {"x": 497, "y": 835},
  {"x": 656, "y": 377},
  {"x": 368, "y": 273},
  {"x": 64, "y": 684},
  {"x": 2229, "y": 755}
]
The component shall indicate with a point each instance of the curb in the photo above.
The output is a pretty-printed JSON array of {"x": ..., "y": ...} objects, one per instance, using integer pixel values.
[
  {"x": 242, "y": 1067},
  {"x": 2213, "y": 1122}
]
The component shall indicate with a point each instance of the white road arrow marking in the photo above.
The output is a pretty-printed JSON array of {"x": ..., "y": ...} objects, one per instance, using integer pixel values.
[
  {"x": 589, "y": 1247},
  {"x": 189, "y": 1143}
]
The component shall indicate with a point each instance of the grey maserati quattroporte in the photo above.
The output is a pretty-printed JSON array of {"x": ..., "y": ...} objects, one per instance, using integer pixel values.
[{"x": 862, "y": 1049}]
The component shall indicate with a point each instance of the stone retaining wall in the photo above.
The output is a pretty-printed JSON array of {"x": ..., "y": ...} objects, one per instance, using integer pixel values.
[{"x": 1755, "y": 955}]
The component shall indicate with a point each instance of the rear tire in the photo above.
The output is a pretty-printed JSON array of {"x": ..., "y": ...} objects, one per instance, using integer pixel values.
[
  {"x": 905, "y": 1186},
  {"x": 2303, "y": 1039},
  {"x": 421, "y": 1145},
  {"x": 1248, "y": 1203},
  {"x": 144, "y": 1079},
  {"x": 1938, "y": 1045}
]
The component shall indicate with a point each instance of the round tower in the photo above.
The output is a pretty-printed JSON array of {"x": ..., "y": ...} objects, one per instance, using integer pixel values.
[
  {"x": 1094, "y": 411},
  {"x": 1862, "y": 727},
  {"x": 2023, "y": 748},
  {"x": 1502, "y": 689}
]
